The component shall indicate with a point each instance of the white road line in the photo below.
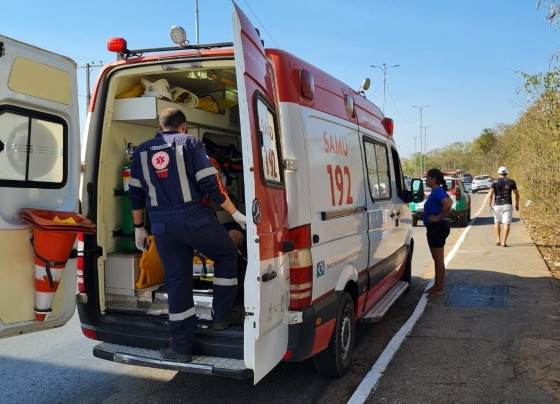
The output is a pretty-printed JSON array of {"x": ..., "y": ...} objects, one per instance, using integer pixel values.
[{"x": 374, "y": 375}]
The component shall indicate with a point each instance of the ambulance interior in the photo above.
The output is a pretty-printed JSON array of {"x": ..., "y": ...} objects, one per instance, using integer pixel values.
[{"x": 133, "y": 282}]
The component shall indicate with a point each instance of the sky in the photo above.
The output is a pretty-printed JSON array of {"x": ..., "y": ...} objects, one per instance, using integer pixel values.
[{"x": 459, "y": 60}]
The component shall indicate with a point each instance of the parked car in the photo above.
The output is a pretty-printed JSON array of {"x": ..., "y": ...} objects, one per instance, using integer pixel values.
[
  {"x": 460, "y": 211},
  {"x": 467, "y": 178},
  {"x": 481, "y": 183}
]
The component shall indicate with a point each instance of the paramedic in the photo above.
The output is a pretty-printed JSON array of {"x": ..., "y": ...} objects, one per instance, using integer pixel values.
[
  {"x": 435, "y": 209},
  {"x": 500, "y": 197},
  {"x": 169, "y": 176}
]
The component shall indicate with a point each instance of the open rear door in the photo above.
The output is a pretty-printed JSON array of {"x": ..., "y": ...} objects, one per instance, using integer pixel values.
[
  {"x": 267, "y": 277},
  {"x": 39, "y": 168}
]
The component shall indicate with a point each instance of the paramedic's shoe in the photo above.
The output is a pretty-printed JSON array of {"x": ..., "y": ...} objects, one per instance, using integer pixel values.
[{"x": 168, "y": 353}]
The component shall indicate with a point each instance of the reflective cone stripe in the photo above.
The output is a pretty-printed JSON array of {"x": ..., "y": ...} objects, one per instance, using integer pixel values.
[
  {"x": 44, "y": 293},
  {"x": 52, "y": 249}
]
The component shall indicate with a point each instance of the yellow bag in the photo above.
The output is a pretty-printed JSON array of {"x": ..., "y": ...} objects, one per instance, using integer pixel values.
[
  {"x": 224, "y": 103},
  {"x": 135, "y": 91},
  {"x": 208, "y": 103}
]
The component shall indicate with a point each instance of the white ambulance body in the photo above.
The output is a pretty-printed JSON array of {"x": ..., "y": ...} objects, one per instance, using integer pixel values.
[{"x": 310, "y": 161}]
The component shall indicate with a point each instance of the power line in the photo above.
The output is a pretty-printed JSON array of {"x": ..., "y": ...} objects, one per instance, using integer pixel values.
[
  {"x": 262, "y": 25},
  {"x": 398, "y": 112}
]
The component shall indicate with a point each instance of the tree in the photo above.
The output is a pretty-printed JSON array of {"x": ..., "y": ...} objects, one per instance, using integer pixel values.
[{"x": 485, "y": 143}]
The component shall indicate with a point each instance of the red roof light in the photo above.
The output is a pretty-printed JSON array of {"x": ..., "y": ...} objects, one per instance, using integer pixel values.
[{"x": 116, "y": 45}]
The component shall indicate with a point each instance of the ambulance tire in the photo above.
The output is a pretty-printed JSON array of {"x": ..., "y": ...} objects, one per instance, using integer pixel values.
[
  {"x": 407, "y": 276},
  {"x": 335, "y": 360}
]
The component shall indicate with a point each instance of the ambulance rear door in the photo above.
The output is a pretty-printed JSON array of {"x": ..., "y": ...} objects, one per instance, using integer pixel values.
[
  {"x": 267, "y": 276},
  {"x": 39, "y": 168}
]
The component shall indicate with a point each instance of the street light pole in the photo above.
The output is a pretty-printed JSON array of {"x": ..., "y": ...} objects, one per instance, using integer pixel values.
[
  {"x": 384, "y": 68},
  {"x": 415, "y": 153},
  {"x": 420, "y": 108},
  {"x": 426, "y": 138}
]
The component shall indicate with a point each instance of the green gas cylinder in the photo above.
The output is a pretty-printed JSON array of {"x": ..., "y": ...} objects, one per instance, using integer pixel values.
[{"x": 127, "y": 224}]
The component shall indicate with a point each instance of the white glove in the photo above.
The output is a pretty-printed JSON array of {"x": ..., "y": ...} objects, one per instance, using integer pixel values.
[
  {"x": 141, "y": 238},
  {"x": 240, "y": 219}
]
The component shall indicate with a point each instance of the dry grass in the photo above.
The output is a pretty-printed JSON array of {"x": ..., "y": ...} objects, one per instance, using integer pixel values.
[{"x": 545, "y": 232}]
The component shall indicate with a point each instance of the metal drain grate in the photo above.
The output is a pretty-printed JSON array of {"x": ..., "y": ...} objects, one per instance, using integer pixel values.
[{"x": 478, "y": 296}]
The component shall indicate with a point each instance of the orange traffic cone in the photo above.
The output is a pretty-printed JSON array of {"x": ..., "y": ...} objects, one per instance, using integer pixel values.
[
  {"x": 54, "y": 234},
  {"x": 52, "y": 249}
]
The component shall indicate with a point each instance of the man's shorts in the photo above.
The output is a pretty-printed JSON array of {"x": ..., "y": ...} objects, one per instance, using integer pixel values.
[
  {"x": 437, "y": 233},
  {"x": 502, "y": 213}
]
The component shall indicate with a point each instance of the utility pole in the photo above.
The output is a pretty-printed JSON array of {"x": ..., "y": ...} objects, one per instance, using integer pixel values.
[
  {"x": 88, "y": 68},
  {"x": 420, "y": 108},
  {"x": 384, "y": 68},
  {"x": 426, "y": 139},
  {"x": 196, "y": 19}
]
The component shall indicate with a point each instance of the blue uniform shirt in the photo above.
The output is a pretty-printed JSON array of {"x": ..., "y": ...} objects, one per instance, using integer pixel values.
[
  {"x": 172, "y": 171},
  {"x": 433, "y": 205}
]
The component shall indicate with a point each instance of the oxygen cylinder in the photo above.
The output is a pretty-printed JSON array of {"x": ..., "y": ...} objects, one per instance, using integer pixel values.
[{"x": 127, "y": 224}]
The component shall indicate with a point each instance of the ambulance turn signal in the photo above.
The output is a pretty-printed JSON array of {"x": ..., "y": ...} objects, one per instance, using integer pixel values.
[{"x": 301, "y": 268}]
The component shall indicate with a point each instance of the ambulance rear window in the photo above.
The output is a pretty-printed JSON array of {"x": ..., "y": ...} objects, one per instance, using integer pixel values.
[{"x": 32, "y": 149}]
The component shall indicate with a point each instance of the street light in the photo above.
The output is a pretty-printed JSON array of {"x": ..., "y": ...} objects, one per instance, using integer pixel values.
[
  {"x": 384, "y": 68},
  {"x": 420, "y": 108}
]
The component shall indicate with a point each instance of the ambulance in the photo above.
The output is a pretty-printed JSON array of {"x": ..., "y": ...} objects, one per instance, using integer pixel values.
[{"x": 311, "y": 162}]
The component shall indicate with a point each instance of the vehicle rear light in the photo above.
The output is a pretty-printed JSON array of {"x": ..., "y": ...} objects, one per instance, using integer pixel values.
[
  {"x": 92, "y": 334},
  {"x": 457, "y": 193},
  {"x": 80, "y": 264},
  {"x": 301, "y": 268},
  {"x": 389, "y": 125},
  {"x": 116, "y": 45},
  {"x": 288, "y": 355}
]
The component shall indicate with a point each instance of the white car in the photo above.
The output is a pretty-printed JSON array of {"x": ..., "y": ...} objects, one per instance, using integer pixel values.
[{"x": 481, "y": 183}]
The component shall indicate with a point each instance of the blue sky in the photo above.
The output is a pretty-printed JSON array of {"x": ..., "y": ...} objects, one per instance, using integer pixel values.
[{"x": 460, "y": 57}]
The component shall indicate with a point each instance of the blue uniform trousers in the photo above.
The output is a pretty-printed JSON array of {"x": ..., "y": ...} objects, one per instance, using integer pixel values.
[{"x": 176, "y": 237}]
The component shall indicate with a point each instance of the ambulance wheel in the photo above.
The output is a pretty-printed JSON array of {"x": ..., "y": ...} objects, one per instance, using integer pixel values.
[
  {"x": 407, "y": 276},
  {"x": 335, "y": 360}
]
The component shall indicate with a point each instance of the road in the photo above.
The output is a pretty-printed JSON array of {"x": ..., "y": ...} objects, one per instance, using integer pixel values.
[{"x": 58, "y": 365}]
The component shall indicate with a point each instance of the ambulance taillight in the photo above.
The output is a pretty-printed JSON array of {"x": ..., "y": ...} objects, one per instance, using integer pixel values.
[
  {"x": 301, "y": 268},
  {"x": 80, "y": 264}
]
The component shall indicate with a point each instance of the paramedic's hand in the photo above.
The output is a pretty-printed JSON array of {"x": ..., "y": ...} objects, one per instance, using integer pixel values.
[
  {"x": 240, "y": 219},
  {"x": 141, "y": 238}
]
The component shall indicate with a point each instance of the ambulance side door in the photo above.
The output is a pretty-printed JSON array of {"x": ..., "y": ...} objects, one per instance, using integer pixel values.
[
  {"x": 39, "y": 168},
  {"x": 267, "y": 276}
]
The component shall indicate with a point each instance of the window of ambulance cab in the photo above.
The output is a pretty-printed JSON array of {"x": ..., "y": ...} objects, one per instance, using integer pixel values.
[{"x": 377, "y": 163}]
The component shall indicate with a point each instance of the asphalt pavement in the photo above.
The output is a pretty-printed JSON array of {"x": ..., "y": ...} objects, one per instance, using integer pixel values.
[{"x": 493, "y": 337}]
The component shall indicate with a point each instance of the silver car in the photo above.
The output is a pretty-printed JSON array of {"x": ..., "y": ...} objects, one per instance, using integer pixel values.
[{"x": 481, "y": 183}]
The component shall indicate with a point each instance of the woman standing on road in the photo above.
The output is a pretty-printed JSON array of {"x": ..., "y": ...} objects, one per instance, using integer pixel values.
[{"x": 435, "y": 209}]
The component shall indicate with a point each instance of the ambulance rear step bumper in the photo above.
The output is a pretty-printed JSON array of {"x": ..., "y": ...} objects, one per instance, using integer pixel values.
[
  {"x": 208, "y": 365},
  {"x": 385, "y": 303}
]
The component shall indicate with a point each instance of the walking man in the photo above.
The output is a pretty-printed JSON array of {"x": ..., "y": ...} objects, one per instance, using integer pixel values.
[
  {"x": 170, "y": 175},
  {"x": 500, "y": 201}
]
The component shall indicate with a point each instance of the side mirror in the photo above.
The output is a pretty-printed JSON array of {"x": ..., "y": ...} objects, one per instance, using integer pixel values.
[{"x": 416, "y": 194}]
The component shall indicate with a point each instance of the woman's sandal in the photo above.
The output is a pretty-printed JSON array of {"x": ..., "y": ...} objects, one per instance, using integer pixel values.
[{"x": 435, "y": 293}]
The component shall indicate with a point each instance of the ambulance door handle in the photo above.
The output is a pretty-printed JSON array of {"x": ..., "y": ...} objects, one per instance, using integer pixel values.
[{"x": 269, "y": 276}]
